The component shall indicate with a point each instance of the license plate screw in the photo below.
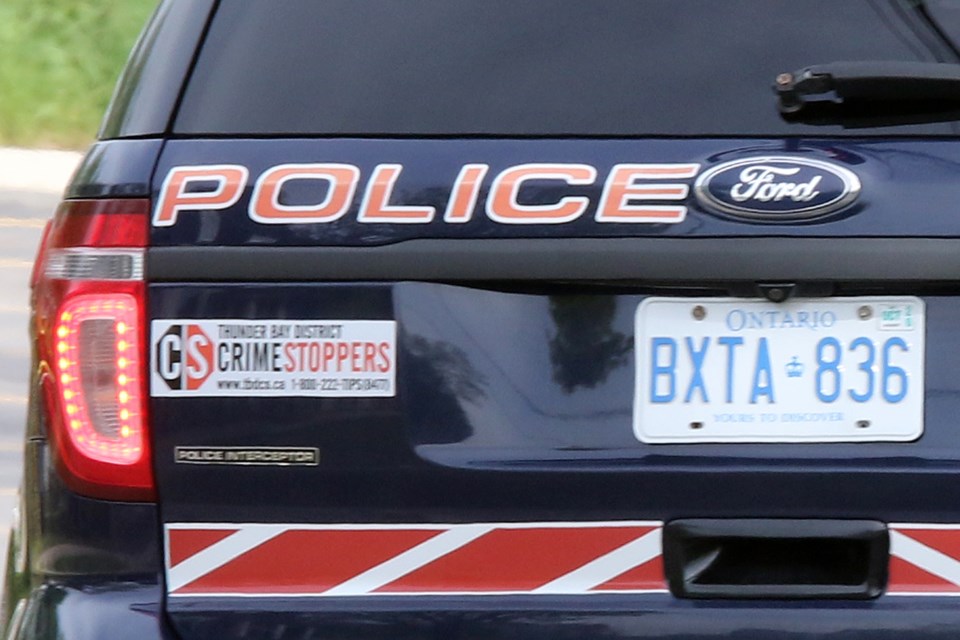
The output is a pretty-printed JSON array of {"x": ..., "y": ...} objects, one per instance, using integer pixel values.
[
  {"x": 699, "y": 313},
  {"x": 865, "y": 313},
  {"x": 863, "y": 424},
  {"x": 696, "y": 425}
]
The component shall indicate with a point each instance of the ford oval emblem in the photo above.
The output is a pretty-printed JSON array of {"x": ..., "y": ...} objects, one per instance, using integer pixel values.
[{"x": 777, "y": 188}]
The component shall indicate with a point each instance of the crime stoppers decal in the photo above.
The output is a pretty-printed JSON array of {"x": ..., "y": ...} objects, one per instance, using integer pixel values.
[{"x": 306, "y": 358}]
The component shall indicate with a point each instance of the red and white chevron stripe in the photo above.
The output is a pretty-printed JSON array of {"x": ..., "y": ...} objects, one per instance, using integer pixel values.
[
  {"x": 478, "y": 559},
  {"x": 364, "y": 560},
  {"x": 924, "y": 560}
]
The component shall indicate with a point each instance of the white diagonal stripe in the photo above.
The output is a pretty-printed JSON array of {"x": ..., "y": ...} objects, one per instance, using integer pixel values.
[
  {"x": 607, "y": 567},
  {"x": 927, "y": 558},
  {"x": 410, "y": 560},
  {"x": 219, "y": 554}
]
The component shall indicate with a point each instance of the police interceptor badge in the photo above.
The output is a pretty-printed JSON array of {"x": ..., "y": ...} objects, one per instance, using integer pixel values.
[
  {"x": 303, "y": 358},
  {"x": 249, "y": 456}
]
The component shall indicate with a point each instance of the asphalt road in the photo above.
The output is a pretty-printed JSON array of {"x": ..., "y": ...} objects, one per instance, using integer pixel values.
[{"x": 22, "y": 217}]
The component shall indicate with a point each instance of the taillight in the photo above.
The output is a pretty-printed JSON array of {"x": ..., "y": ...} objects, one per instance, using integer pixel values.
[{"x": 89, "y": 297}]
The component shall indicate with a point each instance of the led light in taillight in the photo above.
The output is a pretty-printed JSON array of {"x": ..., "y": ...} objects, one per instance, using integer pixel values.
[{"x": 98, "y": 370}]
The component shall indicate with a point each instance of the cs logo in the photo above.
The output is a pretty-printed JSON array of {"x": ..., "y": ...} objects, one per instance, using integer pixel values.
[{"x": 184, "y": 357}]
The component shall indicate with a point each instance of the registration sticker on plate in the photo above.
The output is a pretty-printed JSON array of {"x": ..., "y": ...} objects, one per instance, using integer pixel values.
[{"x": 807, "y": 370}]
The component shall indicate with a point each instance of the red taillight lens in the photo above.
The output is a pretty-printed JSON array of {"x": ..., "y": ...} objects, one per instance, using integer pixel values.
[
  {"x": 98, "y": 378},
  {"x": 90, "y": 299}
]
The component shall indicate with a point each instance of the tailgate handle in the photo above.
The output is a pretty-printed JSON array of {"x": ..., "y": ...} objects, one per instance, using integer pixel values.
[{"x": 777, "y": 558}]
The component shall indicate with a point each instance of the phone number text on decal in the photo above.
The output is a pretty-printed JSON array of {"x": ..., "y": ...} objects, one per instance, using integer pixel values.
[{"x": 340, "y": 384}]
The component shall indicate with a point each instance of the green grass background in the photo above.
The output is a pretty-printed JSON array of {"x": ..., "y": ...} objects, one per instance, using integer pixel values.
[{"x": 59, "y": 61}]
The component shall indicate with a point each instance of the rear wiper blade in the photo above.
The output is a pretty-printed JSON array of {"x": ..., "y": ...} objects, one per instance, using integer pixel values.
[
  {"x": 865, "y": 114},
  {"x": 874, "y": 82}
]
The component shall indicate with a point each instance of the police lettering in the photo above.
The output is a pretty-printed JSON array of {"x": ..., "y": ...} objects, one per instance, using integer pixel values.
[{"x": 630, "y": 193}]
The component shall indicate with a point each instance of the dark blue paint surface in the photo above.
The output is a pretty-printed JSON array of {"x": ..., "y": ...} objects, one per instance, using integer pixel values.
[
  {"x": 501, "y": 416},
  {"x": 90, "y": 569},
  {"x": 910, "y": 187},
  {"x": 116, "y": 169}
]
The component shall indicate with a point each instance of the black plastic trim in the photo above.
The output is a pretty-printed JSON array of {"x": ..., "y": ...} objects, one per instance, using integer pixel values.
[
  {"x": 576, "y": 259},
  {"x": 789, "y": 558}
]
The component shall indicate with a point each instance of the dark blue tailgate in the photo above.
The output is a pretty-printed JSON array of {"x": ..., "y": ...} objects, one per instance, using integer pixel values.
[{"x": 514, "y": 396}]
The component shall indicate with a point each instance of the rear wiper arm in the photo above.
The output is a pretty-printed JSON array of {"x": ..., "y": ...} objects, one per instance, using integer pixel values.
[{"x": 891, "y": 82}]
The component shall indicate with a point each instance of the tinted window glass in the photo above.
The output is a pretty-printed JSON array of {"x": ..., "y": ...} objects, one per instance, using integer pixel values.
[{"x": 533, "y": 67}]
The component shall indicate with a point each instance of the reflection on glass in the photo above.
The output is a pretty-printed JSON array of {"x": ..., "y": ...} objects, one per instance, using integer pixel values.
[
  {"x": 585, "y": 349},
  {"x": 440, "y": 378}
]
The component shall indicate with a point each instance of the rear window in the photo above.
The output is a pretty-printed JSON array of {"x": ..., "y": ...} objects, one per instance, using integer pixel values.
[{"x": 538, "y": 67}]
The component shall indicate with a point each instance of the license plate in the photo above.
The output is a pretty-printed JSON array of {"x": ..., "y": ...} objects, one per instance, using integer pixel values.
[{"x": 807, "y": 370}]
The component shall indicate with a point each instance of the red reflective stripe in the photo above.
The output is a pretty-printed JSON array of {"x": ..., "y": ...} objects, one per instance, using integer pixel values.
[
  {"x": 184, "y": 543},
  {"x": 647, "y": 577},
  {"x": 924, "y": 559},
  {"x": 365, "y": 560},
  {"x": 307, "y": 561},
  {"x": 514, "y": 560},
  {"x": 542, "y": 558},
  {"x": 909, "y": 578}
]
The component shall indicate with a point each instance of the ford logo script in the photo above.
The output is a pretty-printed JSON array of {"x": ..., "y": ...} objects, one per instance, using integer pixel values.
[{"x": 777, "y": 188}]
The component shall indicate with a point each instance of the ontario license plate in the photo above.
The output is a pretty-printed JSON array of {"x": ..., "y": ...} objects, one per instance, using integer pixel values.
[{"x": 808, "y": 370}]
